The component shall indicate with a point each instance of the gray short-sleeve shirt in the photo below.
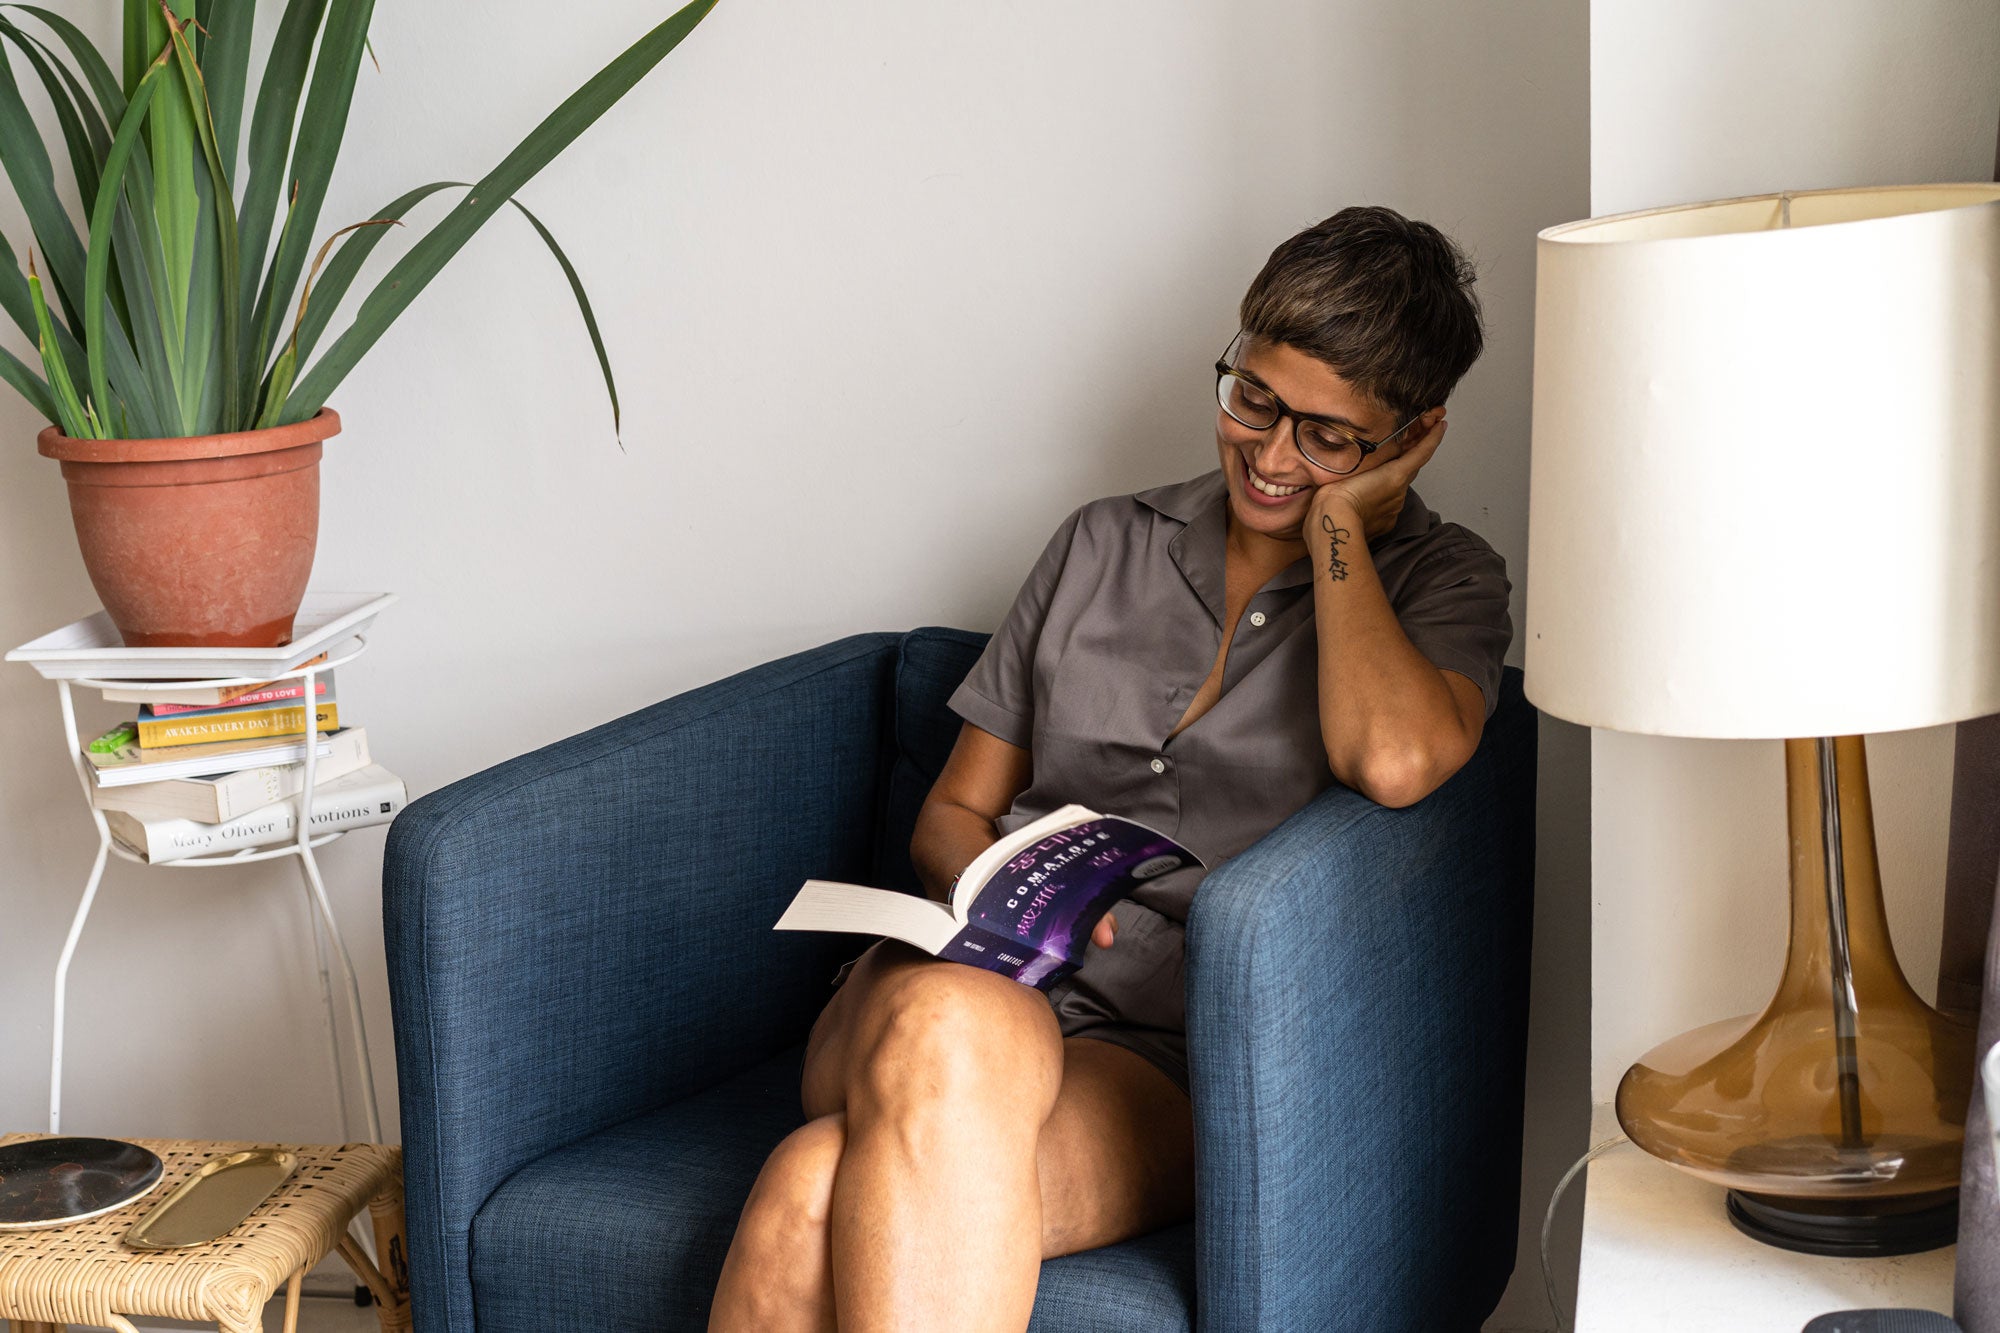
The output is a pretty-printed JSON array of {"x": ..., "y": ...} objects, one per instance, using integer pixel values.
[{"x": 1117, "y": 627}]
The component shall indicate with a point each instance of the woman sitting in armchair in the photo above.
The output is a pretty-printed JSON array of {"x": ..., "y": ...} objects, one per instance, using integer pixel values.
[{"x": 1205, "y": 658}]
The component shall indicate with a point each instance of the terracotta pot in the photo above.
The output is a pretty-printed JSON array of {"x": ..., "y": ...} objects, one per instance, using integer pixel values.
[{"x": 198, "y": 542}]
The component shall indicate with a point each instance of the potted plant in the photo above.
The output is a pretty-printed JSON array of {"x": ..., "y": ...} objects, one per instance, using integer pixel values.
[{"x": 185, "y": 385}]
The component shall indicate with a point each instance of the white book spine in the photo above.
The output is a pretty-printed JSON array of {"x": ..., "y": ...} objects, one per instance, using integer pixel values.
[
  {"x": 219, "y": 799},
  {"x": 371, "y": 796}
]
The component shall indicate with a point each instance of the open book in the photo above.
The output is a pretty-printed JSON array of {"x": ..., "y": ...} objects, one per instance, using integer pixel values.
[{"x": 1026, "y": 905}]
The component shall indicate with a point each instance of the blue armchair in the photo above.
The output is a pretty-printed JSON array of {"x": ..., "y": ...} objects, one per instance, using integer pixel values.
[{"x": 599, "y": 1034}]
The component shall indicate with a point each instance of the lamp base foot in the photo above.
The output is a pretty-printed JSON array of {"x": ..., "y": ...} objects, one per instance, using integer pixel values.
[{"x": 1868, "y": 1228}]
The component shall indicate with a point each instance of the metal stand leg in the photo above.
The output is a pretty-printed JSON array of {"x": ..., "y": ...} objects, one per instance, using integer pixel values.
[
  {"x": 316, "y": 898},
  {"x": 324, "y": 967},
  {"x": 62, "y": 985},
  {"x": 367, "y": 1073},
  {"x": 76, "y": 923}
]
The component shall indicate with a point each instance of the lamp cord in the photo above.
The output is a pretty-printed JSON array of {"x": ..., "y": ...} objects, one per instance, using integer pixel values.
[{"x": 1549, "y": 1218}]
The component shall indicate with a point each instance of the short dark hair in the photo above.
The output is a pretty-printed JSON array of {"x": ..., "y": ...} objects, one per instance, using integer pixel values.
[{"x": 1385, "y": 301}]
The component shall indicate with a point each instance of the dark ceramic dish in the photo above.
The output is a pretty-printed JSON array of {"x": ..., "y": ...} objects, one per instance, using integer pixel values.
[{"x": 47, "y": 1182}]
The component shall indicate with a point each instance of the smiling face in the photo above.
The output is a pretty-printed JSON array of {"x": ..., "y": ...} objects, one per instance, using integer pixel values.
[{"x": 1307, "y": 385}]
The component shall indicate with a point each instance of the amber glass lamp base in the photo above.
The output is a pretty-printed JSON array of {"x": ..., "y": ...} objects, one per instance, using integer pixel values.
[{"x": 1837, "y": 1115}]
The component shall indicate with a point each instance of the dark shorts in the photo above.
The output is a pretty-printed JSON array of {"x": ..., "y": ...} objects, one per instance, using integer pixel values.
[{"x": 1133, "y": 994}]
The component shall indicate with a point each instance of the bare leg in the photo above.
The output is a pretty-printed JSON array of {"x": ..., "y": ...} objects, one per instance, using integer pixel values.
[
  {"x": 936, "y": 1206},
  {"x": 1115, "y": 1160},
  {"x": 778, "y": 1277}
]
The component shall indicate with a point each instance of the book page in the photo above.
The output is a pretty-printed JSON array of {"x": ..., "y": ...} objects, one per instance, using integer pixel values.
[{"x": 828, "y": 905}]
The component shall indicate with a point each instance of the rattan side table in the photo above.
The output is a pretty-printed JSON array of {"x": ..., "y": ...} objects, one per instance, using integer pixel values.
[{"x": 83, "y": 1273}]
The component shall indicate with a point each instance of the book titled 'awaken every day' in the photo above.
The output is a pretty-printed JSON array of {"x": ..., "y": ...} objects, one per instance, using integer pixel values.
[{"x": 236, "y": 722}]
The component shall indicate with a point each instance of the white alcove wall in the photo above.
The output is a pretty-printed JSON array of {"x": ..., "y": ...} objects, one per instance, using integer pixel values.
[{"x": 891, "y": 286}]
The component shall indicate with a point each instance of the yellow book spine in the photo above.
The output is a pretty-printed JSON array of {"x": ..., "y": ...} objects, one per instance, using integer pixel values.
[{"x": 159, "y": 732}]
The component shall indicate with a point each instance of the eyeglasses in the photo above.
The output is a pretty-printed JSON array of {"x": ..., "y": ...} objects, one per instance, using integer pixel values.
[{"x": 1327, "y": 445}]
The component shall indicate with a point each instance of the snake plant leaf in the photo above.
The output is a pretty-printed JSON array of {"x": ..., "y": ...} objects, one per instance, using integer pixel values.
[
  {"x": 140, "y": 44},
  {"x": 321, "y": 129},
  {"x": 70, "y": 413},
  {"x": 201, "y": 391},
  {"x": 287, "y": 366},
  {"x": 12, "y": 369},
  {"x": 27, "y": 165},
  {"x": 176, "y": 206},
  {"x": 225, "y": 65},
  {"x": 87, "y": 140},
  {"x": 414, "y": 271},
  {"x": 20, "y": 307},
  {"x": 15, "y": 293},
  {"x": 278, "y": 385},
  {"x": 141, "y": 266},
  {"x": 94, "y": 126},
  {"x": 589, "y": 316},
  {"x": 134, "y": 258},
  {"x": 137, "y": 248},
  {"x": 110, "y": 96},
  {"x": 138, "y": 278},
  {"x": 347, "y": 264},
  {"x": 29, "y": 385},
  {"x": 83, "y": 153},
  {"x": 227, "y": 296},
  {"x": 98, "y": 266},
  {"x": 278, "y": 92}
]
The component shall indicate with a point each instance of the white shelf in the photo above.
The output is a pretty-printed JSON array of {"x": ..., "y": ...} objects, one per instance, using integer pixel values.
[
  {"x": 1659, "y": 1256},
  {"x": 88, "y": 653},
  {"x": 91, "y": 648}
]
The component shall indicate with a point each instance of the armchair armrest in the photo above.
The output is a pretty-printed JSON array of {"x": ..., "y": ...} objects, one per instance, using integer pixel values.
[
  {"x": 1357, "y": 1005},
  {"x": 583, "y": 933}
]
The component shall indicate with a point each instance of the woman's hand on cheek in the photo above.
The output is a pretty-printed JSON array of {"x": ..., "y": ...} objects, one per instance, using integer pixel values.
[
  {"x": 1374, "y": 495},
  {"x": 1105, "y": 931}
]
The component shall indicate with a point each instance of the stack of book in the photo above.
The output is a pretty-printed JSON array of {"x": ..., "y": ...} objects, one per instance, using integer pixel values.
[{"x": 205, "y": 770}]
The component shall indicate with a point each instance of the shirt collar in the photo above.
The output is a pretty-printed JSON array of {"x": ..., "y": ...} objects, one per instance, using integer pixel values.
[{"x": 1201, "y": 504}]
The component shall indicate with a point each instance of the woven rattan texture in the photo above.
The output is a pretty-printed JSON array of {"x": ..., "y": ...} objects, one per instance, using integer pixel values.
[{"x": 81, "y": 1272}]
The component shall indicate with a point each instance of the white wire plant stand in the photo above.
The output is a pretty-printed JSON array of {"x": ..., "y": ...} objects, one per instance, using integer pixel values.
[{"x": 329, "y": 947}]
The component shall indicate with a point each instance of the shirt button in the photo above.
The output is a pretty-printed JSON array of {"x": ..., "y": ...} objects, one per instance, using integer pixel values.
[
  {"x": 1256, "y": 617},
  {"x": 1159, "y": 765}
]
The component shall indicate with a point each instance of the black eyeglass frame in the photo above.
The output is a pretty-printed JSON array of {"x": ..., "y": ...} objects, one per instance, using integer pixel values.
[{"x": 1225, "y": 372}]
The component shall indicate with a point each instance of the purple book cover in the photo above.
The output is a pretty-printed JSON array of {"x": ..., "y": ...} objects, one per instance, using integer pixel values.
[{"x": 1032, "y": 920}]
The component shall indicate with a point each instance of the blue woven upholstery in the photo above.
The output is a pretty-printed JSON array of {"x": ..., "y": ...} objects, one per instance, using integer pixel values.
[{"x": 598, "y": 1033}]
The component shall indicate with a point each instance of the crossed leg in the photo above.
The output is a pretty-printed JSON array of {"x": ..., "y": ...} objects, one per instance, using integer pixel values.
[{"x": 955, "y": 1141}]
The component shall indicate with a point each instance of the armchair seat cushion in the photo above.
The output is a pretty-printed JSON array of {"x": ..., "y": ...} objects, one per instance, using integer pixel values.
[{"x": 627, "y": 1228}]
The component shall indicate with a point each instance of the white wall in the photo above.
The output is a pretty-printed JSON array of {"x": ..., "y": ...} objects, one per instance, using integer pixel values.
[
  {"x": 1711, "y": 99},
  {"x": 891, "y": 287}
]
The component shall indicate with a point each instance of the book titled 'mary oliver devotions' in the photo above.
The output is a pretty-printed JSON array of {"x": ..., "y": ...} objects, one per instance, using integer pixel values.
[{"x": 1026, "y": 905}]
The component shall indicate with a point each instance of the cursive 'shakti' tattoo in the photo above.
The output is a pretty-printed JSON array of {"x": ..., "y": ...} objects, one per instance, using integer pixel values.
[{"x": 1336, "y": 568}]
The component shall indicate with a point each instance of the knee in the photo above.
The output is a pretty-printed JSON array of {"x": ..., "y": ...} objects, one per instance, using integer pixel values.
[
  {"x": 785, "y": 1217},
  {"x": 956, "y": 1035}
]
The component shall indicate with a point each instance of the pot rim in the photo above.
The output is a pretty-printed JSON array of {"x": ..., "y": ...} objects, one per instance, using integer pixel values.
[{"x": 323, "y": 425}]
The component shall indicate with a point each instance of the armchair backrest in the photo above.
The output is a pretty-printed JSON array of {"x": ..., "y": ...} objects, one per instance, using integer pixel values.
[{"x": 921, "y": 730}]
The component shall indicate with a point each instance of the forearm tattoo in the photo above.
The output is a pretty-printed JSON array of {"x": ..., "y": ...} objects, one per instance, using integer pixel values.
[{"x": 1336, "y": 568}]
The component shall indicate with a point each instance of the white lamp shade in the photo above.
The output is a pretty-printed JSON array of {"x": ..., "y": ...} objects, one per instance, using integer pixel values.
[{"x": 1765, "y": 491}]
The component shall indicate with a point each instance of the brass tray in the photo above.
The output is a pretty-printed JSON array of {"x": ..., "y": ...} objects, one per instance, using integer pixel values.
[{"x": 213, "y": 1202}]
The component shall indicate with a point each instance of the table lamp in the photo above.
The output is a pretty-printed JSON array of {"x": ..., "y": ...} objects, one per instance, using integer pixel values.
[{"x": 1765, "y": 503}]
